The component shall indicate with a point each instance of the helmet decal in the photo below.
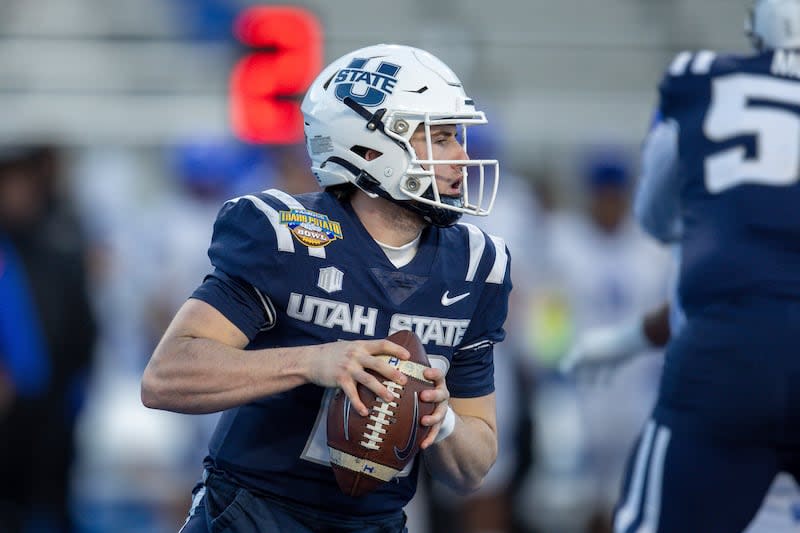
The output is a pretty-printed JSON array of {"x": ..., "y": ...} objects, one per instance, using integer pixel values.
[{"x": 351, "y": 81}]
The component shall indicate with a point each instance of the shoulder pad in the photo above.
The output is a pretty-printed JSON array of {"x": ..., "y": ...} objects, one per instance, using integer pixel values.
[
  {"x": 687, "y": 73},
  {"x": 248, "y": 229},
  {"x": 691, "y": 63},
  {"x": 273, "y": 204}
]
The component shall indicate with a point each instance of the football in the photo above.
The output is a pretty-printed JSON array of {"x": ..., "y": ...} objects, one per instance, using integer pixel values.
[{"x": 369, "y": 451}]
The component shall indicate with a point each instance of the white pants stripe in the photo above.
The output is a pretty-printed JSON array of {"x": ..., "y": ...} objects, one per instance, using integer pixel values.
[
  {"x": 652, "y": 504},
  {"x": 195, "y": 502},
  {"x": 649, "y": 464}
]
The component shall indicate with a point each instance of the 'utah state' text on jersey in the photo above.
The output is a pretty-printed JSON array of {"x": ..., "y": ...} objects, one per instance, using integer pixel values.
[
  {"x": 739, "y": 150},
  {"x": 293, "y": 271}
]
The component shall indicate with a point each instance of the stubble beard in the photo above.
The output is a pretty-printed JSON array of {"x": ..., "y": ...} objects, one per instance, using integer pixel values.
[{"x": 402, "y": 219}]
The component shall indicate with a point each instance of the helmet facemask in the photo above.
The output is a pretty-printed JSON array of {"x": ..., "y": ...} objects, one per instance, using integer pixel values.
[{"x": 478, "y": 189}]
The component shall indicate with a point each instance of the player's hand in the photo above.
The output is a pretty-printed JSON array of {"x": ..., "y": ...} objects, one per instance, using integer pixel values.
[
  {"x": 345, "y": 364},
  {"x": 600, "y": 351},
  {"x": 438, "y": 395}
]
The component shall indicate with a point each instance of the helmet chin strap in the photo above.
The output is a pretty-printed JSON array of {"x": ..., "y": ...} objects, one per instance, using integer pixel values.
[
  {"x": 437, "y": 216},
  {"x": 442, "y": 218}
]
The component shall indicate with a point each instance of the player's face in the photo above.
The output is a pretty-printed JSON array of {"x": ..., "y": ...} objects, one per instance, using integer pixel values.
[{"x": 445, "y": 144}]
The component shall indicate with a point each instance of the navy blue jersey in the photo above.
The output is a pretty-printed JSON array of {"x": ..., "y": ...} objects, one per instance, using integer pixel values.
[
  {"x": 720, "y": 177},
  {"x": 738, "y": 162},
  {"x": 302, "y": 270}
]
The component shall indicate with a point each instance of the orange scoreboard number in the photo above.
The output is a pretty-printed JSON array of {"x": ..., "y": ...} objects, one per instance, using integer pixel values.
[{"x": 267, "y": 84}]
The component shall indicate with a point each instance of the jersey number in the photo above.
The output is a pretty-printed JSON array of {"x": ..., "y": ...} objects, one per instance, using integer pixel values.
[
  {"x": 265, "y": 85},
  {"x": 734, "y": 112}
]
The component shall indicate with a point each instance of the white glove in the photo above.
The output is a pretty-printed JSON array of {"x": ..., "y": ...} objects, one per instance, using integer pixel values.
[{"x": 601, "y": 350}]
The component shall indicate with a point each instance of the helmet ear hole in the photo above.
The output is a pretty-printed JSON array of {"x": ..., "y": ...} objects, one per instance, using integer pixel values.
[{"x": 367, "y": 154}]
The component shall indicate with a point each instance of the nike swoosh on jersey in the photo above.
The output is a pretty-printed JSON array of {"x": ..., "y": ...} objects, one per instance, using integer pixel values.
[
  {"x": 446, "y": 300},
  {"x": 403, "y": 454}
]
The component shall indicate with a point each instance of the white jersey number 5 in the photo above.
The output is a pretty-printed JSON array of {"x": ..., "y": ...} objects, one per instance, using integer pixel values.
[{"x": 740, "y": 105}]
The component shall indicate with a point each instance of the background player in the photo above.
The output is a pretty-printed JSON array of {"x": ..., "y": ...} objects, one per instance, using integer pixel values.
[
  {"x": 720, "y": 172},
  {"x": 378, "y": 251},
  {"x": 600, "y": 351}
]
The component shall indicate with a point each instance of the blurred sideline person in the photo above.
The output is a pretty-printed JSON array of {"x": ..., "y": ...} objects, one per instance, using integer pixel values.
[
  {"x": 47, "y": 334},
  {"x": 721, "y": 166},
  {"x": 603, "y": 269},
  {"x": 205, "y": 171},
  {"x": 130, "y": 471},
  {"x": 306, "y": 287}
]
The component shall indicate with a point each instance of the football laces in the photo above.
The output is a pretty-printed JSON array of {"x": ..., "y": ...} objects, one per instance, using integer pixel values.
[{"x": 382, "y": 415}]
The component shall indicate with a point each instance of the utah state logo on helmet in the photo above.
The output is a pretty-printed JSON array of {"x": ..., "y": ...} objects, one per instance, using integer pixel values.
[{"x": 379, "y": 83}]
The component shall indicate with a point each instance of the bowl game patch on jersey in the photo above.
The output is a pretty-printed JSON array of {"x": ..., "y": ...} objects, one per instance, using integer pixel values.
[{"x": 310, "y": 228}]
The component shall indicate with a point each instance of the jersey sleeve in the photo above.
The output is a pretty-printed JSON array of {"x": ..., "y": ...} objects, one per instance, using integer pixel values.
[
  {"x": 472, "y": 368},
  {"x": 241, "y": 303},
  {"x": 656, "y": 203},
  {"x": 245, "y": 254}
]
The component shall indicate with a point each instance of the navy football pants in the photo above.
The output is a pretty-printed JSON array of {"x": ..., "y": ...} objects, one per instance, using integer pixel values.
[
  {"x": 218, "y": 506},
  {"x": 726, "y": 422}
]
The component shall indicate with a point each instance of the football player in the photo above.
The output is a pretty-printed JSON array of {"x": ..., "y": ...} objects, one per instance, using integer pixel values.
[
  {"x": 720, "y": 177},
  {"x": 601, "y": 350},
  {"x": 306, "y": 287}
]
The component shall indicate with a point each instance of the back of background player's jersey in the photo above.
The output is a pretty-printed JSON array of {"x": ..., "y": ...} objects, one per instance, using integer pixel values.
[{"x": 739, "y": 149}]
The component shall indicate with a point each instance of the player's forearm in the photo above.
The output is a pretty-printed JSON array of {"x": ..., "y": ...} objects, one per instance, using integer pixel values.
[
  {"x": 463, "y": 459},
  {"x": 197, "y": 375}
]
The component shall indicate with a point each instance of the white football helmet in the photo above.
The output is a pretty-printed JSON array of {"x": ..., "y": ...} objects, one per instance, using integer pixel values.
[
  {"x": 774, "y": 24},
  {"x": 375, "y": 98}
]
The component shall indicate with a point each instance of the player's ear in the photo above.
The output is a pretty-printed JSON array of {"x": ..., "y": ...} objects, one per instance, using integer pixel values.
[{"x": 371, "y": 154}]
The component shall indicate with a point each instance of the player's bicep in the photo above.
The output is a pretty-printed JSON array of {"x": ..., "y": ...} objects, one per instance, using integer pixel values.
[{"x": 198, "y": 319}]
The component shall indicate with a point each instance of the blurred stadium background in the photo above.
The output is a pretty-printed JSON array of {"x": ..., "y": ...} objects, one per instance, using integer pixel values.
[{"x": 124, "y": 107}]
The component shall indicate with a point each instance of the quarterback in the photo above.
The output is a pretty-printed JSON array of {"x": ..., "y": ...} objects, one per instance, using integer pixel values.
[{"x": 306, "y": 288}]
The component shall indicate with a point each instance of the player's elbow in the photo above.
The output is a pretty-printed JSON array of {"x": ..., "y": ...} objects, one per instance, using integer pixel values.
[
  {"x": 471, "y": 474},
  {"x": 470, "y": 480},
  {"x": 149, "y": 392},
  {"x": 154, "y": 391},
  {"x": 470, "y": 485}
]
